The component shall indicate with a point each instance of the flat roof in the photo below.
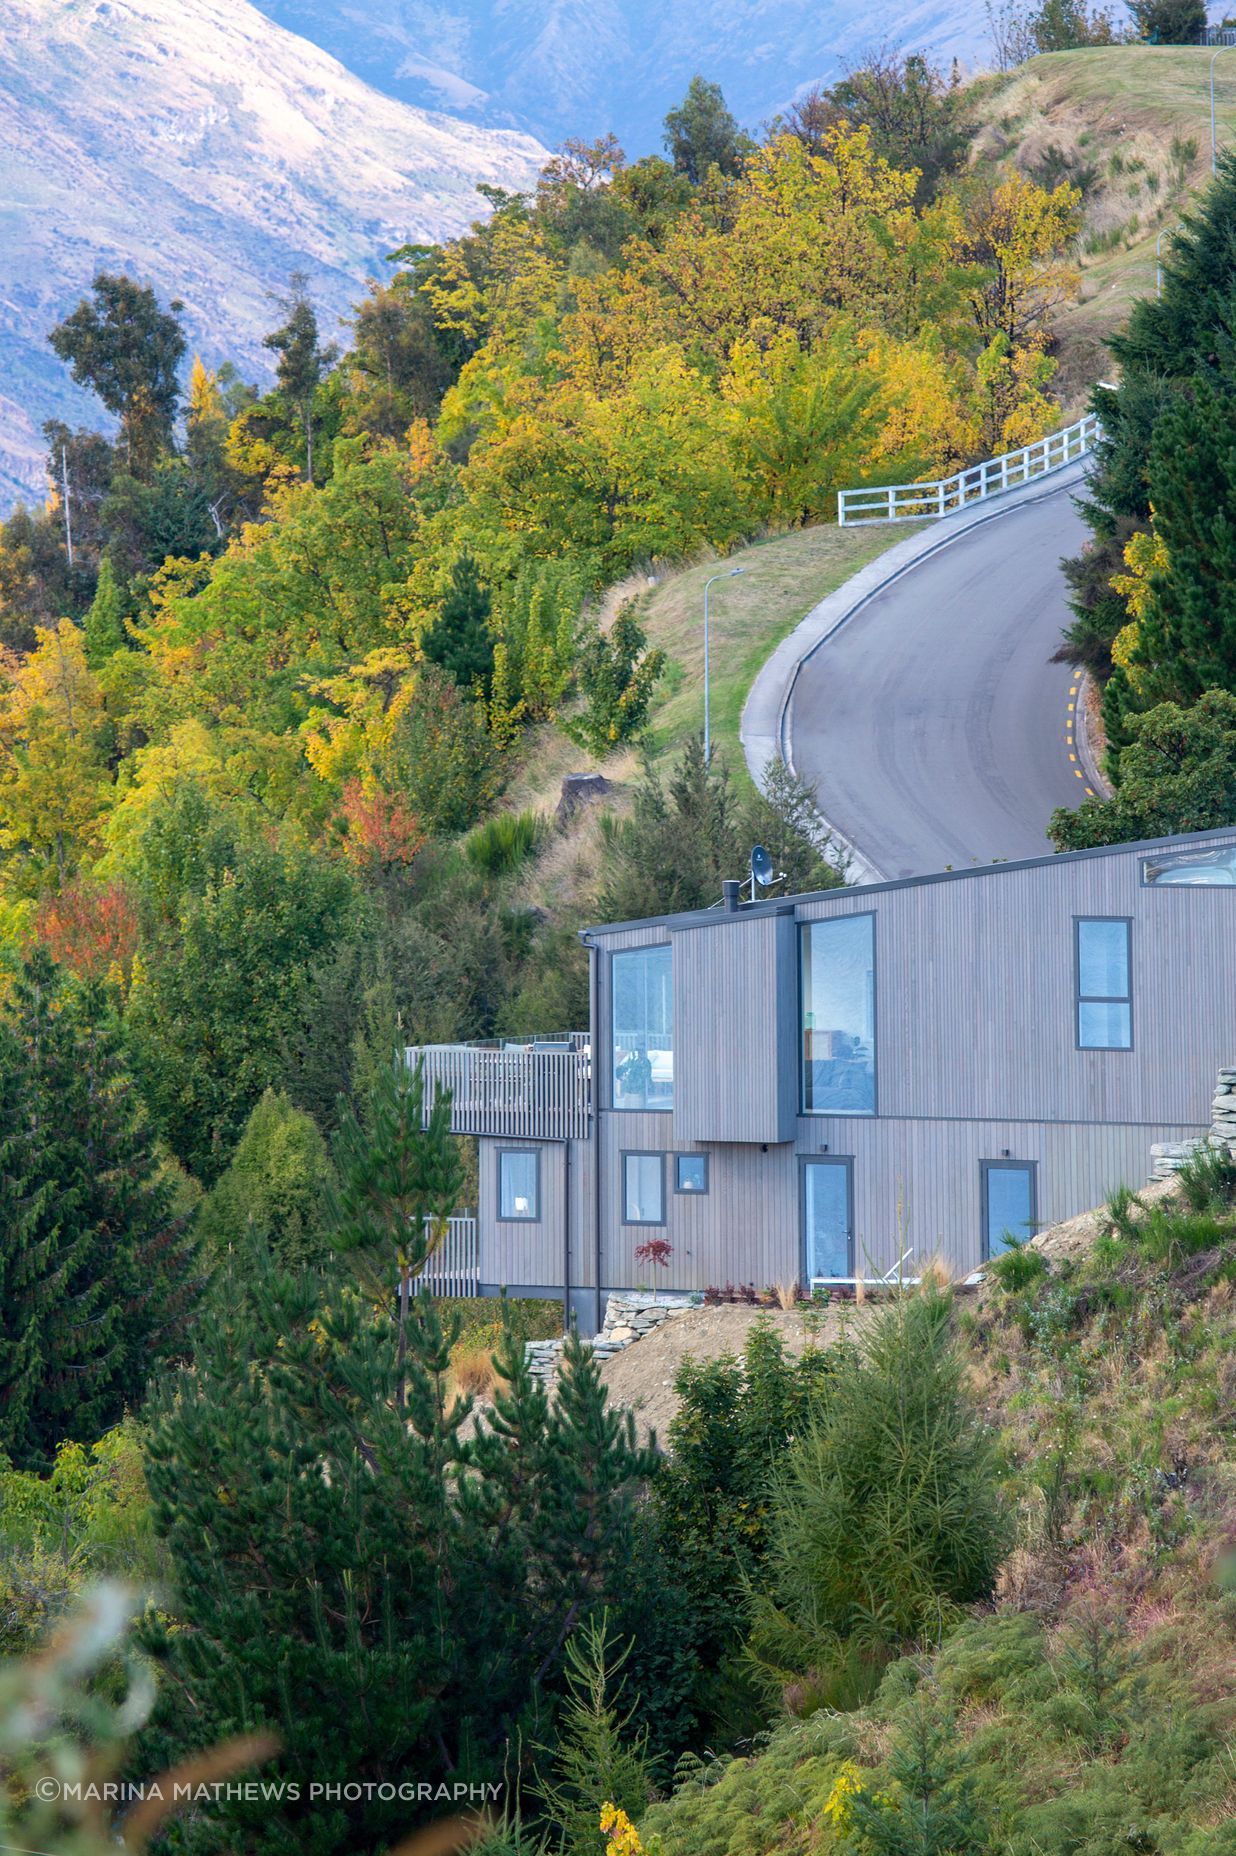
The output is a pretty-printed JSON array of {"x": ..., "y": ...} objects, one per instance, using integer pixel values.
[{"x": 783, "y": 905}]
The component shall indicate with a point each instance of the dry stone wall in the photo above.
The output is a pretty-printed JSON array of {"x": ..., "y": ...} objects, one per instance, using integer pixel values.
[
  {"x": 627, "y": 1318},
  {"x": 1167, "y": 1157}
]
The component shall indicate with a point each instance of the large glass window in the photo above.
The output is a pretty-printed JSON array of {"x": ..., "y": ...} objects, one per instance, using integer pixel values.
[
  {"x": 519, "y": 1183},
  {"x": 837, "y": 991},
  {"x": 1008, "y": 1205},
  {"x": 1104, "y": 995},
  {"x": 643, "y": 1019},
  {"x": 643, "y": 1188},
  {"x": 1202, "y": 869},
  {"x": 827, "y": 1220}
]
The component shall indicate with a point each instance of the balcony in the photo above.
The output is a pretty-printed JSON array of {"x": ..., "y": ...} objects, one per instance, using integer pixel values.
[{"x": 534, "y": 1089}]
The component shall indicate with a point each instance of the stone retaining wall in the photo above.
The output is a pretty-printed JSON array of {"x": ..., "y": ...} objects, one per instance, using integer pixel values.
[
  {"x": 1167, "y": 1157},
  {"x": 627, "y": 1318}
]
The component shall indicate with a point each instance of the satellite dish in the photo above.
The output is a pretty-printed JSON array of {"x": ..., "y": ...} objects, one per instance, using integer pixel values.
[{"x": 762, "y": 871}]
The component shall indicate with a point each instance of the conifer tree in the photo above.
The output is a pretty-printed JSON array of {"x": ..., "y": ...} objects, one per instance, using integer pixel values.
[
  {"x": 103, "y": 1276},
  {"x": 104, "y": 622},
  {"x": 400, "y": 1176},
  {"x": 461, "y": 641}
]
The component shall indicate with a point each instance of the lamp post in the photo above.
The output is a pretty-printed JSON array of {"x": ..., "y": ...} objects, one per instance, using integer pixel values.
[
  {"x": 707, "y": 728},
  {"x": 1158, "y": 260},
  {"x": 1214, "y": 151}
]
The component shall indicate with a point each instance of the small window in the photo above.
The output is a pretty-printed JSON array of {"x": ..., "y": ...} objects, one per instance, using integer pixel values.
[
  {"x": 1104, "y": 995},
  {"x": 1009, "y": 1214},
  {"x": 519, "y": 1184},
  {"x": 643, "y": 1188},
  {"x": 1208, "y": 869},
  {"x": 691, "y": 1173}
]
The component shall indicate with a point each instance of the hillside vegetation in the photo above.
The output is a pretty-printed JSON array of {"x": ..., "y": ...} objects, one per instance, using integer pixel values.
[
  {"x": 1088, "y": 1710},
  {"x": 1130, "y": 126}
]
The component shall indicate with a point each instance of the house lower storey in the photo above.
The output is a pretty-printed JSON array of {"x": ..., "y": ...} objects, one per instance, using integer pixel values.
[{"x": 846, "y": 1198}]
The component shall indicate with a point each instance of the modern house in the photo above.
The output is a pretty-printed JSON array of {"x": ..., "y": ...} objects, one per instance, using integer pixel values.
[{"x": 817, "y": 1087}]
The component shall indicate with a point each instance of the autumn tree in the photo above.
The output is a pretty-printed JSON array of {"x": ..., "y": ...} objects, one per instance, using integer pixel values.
[
  {"x": 120, "y": 343},
  {"x": 54, "y": 779}
]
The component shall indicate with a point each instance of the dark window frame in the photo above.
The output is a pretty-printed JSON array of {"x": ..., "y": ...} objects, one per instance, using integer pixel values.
[
  {"x": 1094, "y": 998},
  {"x": 618, "y": 953},
  {"x": 986, "y": 1168},
  {"x": 641, "y": 1153},
  {"x": 842, "y": 1160},
  {"x": 518, "y": 1217},
  {"x": 821, "y": 921},
  {"x": 693, "y": 1192}
]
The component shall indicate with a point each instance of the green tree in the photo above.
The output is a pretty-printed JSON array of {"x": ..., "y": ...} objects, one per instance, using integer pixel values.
[
  {"x": 99, "y": 1273},
  {"x": 898, "y": 1460},
  {"x": 303, "y": 361},
  {"x": 1186, "y": 636},
  {"x": 783, "y": 816},
  {"x": 933, "y": 1810},
  {"x": 701, "y": 134},
  {"x": 393, "y": 1599},
  {"x": 460, "y": 640},
  {"x": 1169, "y": 22},
  {"x": 400, "y": 1176},
  {"x": 1182, "y": 330},
  {"x": 224, "y": 971},
  {"x": 103, "y": 625},
  {"x": 915, "y": 113},
  {"x": 600, "y": 1757},
  {"x": 713, "y": 1498},
  {"x": 617, "y": 675},
  {"x": 1177, "y": 774},
  {"x": 277, "y": 1184},
  {"x": 122, "y": 345}
]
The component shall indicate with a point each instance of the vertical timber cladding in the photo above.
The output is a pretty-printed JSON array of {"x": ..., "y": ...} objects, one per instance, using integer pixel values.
[{"x": 735, "y": 1019}]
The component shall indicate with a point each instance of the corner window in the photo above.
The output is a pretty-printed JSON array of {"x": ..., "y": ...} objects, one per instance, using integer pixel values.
[
  {"x": 1104, "y": 988},
  {"x": 836, "y": 964},
  {"x": 1200, "y": 869},
  {"x": 643, "y": 1028},
  {"x": 519, "y": 1185},
  {"x": 643, "y": 1188},
  {"x": 1009, "y": 1208},
  {"x": 691, "y": 1173}
]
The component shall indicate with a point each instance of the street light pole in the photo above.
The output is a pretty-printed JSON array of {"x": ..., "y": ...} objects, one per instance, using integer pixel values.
[
  {"x": 1214, "y": 147},
  {"x": 707, "y": 714}
]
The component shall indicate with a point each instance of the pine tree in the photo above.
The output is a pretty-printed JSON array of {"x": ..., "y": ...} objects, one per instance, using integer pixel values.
[
  {"x": 106, "y": 1276},
  {"x": 24, "y": 1244},
  {"x": 1183, "y": 330},
  {"x": 400, "y": 1176},
  {"x": 460, "y": 640}
]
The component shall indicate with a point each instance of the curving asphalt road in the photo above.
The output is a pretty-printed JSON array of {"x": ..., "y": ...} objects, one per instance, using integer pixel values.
[{"x": 933, "y": 723}]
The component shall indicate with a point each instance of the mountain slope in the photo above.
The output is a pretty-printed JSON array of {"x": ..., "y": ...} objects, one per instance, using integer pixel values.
[
  {"x": 209, "y": 152},
  {"x": 582, "y": 67}
]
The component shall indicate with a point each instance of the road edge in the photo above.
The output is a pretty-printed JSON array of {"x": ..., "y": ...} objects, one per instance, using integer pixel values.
[{"x": 765, "y": 728}]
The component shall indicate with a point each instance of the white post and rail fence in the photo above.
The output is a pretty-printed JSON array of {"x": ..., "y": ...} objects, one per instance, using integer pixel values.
[{"x": 918, "y": 502}]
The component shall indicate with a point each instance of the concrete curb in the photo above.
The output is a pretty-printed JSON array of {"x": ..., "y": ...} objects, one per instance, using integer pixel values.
[
  {"x": 766, "y": 727},
  {"x": 1085, "y": 741}
]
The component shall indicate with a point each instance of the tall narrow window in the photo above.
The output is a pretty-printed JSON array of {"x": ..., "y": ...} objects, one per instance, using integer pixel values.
[
  {"x": 643, "y": 1028},
  {"x": 643, "y": 1188},
  {"x": 827, "y": 1220},
  {"x": 1009, "y": 1212},
  {"x": 519, "y": 1184},
  {"x": 1104, "y": 987},
  {"x": 837, "y": 990}
]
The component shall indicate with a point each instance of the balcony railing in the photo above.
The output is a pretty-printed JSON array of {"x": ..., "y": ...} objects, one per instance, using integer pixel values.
[
  {"x": 454, "y": 1268},
  {"x": 533, "y": 1089}
]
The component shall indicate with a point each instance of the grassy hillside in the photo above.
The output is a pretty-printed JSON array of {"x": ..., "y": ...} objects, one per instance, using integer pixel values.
[
  {"x": 1130, "y": 125},
  {"x": 1090, "y": 1710}
]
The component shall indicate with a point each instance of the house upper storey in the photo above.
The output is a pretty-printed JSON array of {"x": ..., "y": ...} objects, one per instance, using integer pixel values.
[{"x": 1097, "y": 986}]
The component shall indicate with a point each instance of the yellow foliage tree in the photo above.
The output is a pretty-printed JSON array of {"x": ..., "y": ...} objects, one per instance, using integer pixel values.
[{"x": 54, "y": 780}]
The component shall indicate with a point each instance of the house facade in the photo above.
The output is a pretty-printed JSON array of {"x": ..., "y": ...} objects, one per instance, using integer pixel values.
[{"x": 814, "y": 1088}]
